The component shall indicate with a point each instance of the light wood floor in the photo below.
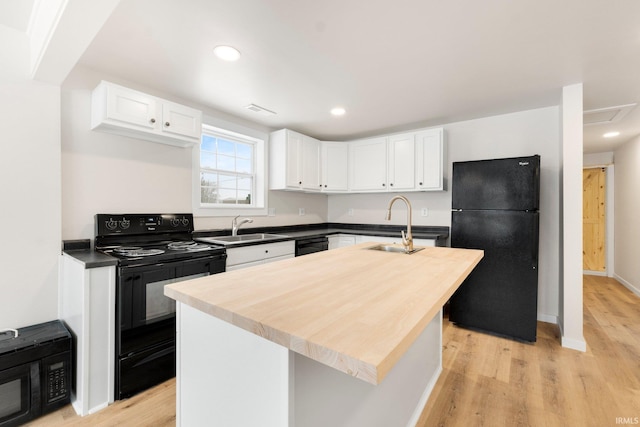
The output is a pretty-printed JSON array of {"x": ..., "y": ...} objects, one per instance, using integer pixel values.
[{"x": 491, "y": 381}]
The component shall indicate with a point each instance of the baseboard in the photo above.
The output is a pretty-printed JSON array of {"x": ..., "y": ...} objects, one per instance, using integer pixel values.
[
  {"x": 594, "y": 273},
  {"x": 572, "y": 343},
  {"x": 547, "y": 318},
  {"x": 627, "y": 285}
]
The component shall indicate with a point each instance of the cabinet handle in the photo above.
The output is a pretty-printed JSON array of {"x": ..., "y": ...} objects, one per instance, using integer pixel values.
[
  {"x": 419, "y": 183},
  {"x": 321, "y": 185},
  {"x": 167, "y": 124},
  {"x": 300, "y": 182},
  {"x": 325, "y": 186},
  {"x": 384, "y": 185},
  {"x": 266, "y": 251},
  {"x": 152, "y": 120},
  {"x": 391, "y": 184}
]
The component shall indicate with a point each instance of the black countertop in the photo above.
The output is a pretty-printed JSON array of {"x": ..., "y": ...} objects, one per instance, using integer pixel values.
[
  {"x": 81, "y": 249},
  {"x": 299, "y": 232}
]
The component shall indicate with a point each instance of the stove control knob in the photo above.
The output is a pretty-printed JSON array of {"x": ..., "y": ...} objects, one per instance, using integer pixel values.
[
  {"x": 125, "y": 223},
  {"x": 175, "y": 222},
  {"x": 111, "y": 224},
  {"x": 185, "y": 222}
]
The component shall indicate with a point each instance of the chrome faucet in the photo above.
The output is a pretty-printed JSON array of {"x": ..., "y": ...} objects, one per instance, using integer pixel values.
[
  {"x": 235, "y": 224},
  {"x": 407, "y": 240}
]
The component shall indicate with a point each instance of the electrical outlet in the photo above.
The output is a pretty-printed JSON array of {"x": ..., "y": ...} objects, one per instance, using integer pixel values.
[
  {"x": 272, "y": 212},
  {"x": 300, "y": 211},
  {"x": 424, "y": 212},
  {"x": 350, "y": 212}
]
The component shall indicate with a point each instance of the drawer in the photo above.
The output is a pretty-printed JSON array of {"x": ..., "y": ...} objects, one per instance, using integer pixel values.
[{"x": 259, "y": 252}]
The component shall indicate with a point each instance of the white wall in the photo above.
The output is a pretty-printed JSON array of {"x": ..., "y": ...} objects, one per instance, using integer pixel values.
[
  {"x": 30, "y": 189},
  {"x": 627, "y": 206},
  {"x": 510, "y": 135},
  {"x": 106, "y": 173}
]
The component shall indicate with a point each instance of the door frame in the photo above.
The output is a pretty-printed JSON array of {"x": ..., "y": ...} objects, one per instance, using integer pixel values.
[{"x": 609, "y": 222}]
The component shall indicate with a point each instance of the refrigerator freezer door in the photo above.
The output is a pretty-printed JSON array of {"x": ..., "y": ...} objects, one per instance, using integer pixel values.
[
  {"x": 510, "y": 184},
  {"x": 501, "y": 293}
]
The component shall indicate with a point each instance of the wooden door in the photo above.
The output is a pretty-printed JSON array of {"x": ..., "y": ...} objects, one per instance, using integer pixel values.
[{"x": 593, "y": 219}]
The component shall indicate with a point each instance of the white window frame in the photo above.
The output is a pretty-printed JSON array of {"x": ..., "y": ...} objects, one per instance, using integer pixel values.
[{"x": 259, "y": 199}]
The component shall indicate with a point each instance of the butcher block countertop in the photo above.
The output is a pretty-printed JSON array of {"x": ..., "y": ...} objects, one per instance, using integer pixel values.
[{"x": 353, "y": 309}]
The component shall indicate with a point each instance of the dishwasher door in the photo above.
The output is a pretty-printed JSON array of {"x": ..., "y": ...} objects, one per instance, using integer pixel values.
[{"x": 311, "y": 245}]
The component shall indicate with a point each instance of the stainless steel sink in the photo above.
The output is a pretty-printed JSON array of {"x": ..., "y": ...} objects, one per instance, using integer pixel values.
[
  {"x": 242, "y": 238},
  {"x": 394, "y": 248}
]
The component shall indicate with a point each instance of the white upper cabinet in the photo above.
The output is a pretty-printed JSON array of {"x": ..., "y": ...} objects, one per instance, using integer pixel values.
[
  {"x": 429, "y": 159},
  {"x": 120, "y": 110},
  {"x": 181, "y": 121},
  {"x": 412, "y": 161},
  {"x": 334, "y": 174},
  {"x": 401, "y": 163},
  {"x": 294, "y": 161},
  {"x": 368, "y": 165}
]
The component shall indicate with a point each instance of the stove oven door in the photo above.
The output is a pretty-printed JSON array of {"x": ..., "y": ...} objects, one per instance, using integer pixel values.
[
  {"x": 141, "y": 299},
  {"x": 141, "y": 289}
]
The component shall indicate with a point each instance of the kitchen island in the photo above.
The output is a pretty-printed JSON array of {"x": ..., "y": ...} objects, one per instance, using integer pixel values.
[{"x": 350, "y": 336}]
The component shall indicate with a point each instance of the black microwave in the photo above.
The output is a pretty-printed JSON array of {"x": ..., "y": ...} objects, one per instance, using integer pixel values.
[{"x": 35, "y": 371}]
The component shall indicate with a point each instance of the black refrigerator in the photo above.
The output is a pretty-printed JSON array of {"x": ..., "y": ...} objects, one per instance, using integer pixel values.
[{"x": 495, "y": 208}]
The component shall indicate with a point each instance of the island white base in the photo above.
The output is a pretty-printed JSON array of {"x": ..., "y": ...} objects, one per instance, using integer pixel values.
[{"x": 227, "y": 376}]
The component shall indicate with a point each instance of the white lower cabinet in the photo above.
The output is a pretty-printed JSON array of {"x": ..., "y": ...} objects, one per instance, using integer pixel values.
[
  {"x": 87, "y": 306},
  {"x": 341, "y": 240},
  {"x": 248, "y": 256}
]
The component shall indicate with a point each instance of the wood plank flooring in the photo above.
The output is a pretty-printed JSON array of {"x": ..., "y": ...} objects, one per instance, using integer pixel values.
[{"x": 491, "y": 381}]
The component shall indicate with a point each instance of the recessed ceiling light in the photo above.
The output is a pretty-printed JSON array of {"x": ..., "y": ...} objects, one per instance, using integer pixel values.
[
  {"x": 227, "y": 53},
  {"x": 611, "y": 134},
  {"x": 338, "y": 111}
]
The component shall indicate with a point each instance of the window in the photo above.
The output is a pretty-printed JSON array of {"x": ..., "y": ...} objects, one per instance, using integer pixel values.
[
  {"x": 226, "y": 171},
  {"x": 230, "y": 173}
]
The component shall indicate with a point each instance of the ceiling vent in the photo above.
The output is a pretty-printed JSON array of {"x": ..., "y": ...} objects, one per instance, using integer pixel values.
[
  {"x": 260, "y": 110},
  {"x": 603, "y": 116}
]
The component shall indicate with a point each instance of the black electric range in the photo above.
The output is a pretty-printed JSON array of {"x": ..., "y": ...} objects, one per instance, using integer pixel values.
[{"x": 153, "y": 250}]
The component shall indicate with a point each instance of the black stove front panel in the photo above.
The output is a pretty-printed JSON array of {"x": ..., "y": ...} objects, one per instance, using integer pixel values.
[{"x": 143, "y": 224}]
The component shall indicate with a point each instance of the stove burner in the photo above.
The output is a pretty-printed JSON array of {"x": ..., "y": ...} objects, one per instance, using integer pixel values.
[
  {"x": 122, "y": 249},
  {"x": 136, "y": 251},
  {"x": 188, "y": 246}
]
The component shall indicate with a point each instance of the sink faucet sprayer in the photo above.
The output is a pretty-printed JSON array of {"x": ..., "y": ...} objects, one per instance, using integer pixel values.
[
  {"x": 407, "y": 240},
  {"x": 235, "y": 224}
]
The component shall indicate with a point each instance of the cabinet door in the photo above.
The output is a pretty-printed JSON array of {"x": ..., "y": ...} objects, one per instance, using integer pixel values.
[
  {"x": 181, "y": 120},
  {"x": 244, "y": 265},
  {"x": 429, "y": 159},
  {"x": 294, "y": 159},
  {"x": 401, "y": 162},
  {"x": 335, "y": 166},
  {"x": 368, "y": 165},
  {"x": 132, "y": 107},
  {"x": 309, "y": 167}
]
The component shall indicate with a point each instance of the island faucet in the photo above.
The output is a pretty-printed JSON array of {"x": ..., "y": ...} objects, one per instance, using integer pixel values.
[
  {"x": 235, "y": 224},
  {"x": 407, "y": 240}
]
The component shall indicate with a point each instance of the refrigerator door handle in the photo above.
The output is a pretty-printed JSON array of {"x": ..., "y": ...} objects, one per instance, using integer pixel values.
[{"x": 534, "y": 247}]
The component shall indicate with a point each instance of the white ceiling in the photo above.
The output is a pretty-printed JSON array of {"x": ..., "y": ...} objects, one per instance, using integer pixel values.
[
  {"x": 16, "y": 13},
  {"x": 393, "y": 65}
]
